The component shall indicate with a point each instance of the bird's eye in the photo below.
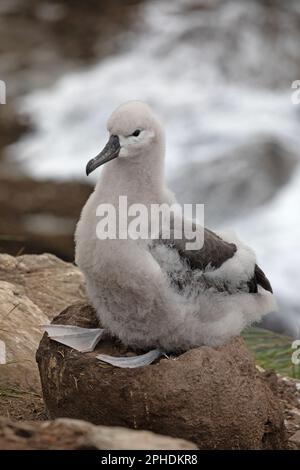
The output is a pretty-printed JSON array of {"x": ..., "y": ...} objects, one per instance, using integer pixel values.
[{"x": 136, "y": 133}]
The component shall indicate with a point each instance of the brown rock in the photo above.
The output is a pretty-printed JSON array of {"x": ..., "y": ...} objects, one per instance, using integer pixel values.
[
  {"x": 19, "y": 330},
  {"x": 70, "y": 434},
  {"x": 39, "y": 216},
  {"x": 50, "y": 283},
  {"x": 295, "y": 440},
  {"x": 213, "y": 397},
  {"x": 32, "y": 288},
  {"x": 287, "y": 390}
]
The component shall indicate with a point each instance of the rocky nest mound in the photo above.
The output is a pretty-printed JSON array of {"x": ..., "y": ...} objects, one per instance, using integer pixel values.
[{"x": 215, "y": 398}]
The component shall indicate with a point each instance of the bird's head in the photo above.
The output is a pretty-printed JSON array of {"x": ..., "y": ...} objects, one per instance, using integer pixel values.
[{"x": 133, "y": 131}]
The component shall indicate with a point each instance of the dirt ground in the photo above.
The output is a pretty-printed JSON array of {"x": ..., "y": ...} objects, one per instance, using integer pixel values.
[
  {"x": 288, "y": 392},
  {"x": 21, "y": 406}
]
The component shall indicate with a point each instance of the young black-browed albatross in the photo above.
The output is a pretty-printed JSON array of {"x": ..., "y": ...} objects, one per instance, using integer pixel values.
[{"x": 157, "y": 294}]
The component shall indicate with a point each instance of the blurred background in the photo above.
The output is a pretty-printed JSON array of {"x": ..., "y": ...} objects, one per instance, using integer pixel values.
[{"x": 218, "y": 72}]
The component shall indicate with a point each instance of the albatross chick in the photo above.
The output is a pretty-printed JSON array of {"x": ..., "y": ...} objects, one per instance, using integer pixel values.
[{"x": 157, "y": 294}]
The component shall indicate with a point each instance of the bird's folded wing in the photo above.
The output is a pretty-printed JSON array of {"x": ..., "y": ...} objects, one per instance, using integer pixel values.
[
  {"x": 132, "y": 361},
  {"x": 213, "y": 256},
  {"x": 214, "y": 252},
  {"x": 81, "y": 339}
]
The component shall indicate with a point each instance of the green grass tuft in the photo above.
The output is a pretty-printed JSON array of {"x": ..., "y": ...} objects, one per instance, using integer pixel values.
[{"x": 272, "y": 351}]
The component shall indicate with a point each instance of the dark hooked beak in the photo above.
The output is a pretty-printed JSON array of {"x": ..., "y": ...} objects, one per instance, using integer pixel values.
[{"x": 110, "y": 151}]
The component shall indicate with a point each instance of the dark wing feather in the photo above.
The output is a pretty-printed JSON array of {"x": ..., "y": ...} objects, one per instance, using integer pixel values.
[
  {"x": 262, "y": 279},
  {"x": 214, "y": 253}
]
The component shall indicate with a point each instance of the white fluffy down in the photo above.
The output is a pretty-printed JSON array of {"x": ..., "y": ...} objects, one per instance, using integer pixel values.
[
  {"x": 212, "y": 317},
  {"x": 239, "y": 268},
  {"x": 136, "y": 300},
  {"x": 129, "y": 284}
]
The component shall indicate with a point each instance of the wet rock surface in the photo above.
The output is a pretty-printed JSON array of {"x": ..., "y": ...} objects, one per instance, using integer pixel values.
[{"x": 213, "y": 397}]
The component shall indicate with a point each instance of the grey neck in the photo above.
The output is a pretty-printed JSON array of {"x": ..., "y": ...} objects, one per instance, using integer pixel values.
[{"x": 141, "y": 179}]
